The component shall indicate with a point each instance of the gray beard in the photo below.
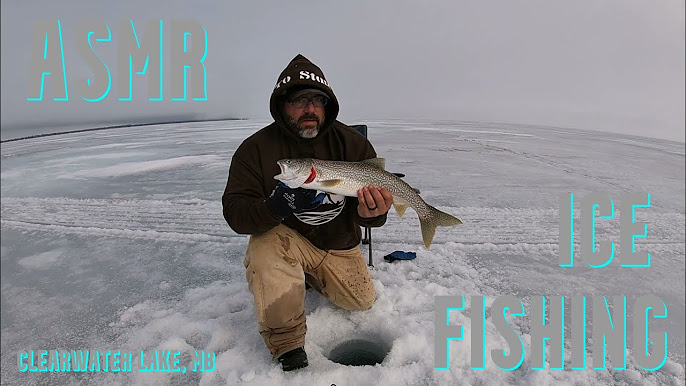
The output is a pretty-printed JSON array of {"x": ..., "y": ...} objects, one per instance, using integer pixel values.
[
  {"x": 308, "y": 133},
  {"x": 303, "y": 133}
]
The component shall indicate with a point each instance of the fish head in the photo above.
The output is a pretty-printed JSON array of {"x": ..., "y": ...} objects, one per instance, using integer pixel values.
[{"x": 294, "y": 172}]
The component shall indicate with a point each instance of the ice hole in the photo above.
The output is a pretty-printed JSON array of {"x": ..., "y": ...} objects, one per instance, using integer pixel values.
[{"x": 358, "y": 352}]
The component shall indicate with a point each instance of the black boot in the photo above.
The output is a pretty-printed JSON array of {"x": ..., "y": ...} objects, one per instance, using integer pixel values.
[{"x": 294, "y": 359}]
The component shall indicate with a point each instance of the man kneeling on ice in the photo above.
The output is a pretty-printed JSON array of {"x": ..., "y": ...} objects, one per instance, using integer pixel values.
[{"x": 299, "y": 235}]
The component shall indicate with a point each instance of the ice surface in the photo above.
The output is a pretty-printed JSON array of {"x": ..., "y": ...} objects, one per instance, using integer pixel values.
[{"x": 114, "y": 240}]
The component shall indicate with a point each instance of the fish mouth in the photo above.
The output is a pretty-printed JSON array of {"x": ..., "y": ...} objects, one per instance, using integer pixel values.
[
  {"x": 286, "y": 175},
  {"x": 294, "y": 173}
]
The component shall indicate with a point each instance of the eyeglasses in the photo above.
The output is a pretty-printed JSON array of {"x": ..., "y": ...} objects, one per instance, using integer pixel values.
[{"x": 302, "y": 102}]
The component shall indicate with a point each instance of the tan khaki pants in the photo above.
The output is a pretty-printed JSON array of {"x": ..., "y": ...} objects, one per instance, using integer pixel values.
[{"x": 276, "y": 263}]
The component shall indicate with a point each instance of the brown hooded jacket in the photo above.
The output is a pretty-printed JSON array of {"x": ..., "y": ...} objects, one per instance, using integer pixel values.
[{"x": 335, "y": 224}]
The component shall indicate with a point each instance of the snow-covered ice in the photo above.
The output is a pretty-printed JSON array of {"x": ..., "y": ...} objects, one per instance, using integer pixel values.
[{"x": 114, "y": 240}]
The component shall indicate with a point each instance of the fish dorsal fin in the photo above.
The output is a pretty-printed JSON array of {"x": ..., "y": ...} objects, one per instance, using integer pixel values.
[{"x": 379, "y": 163}]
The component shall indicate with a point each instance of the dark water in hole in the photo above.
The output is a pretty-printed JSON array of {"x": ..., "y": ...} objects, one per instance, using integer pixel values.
[{"x": 358, "y": 352}]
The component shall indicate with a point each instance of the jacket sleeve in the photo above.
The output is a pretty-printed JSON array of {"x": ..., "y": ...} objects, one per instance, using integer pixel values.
[
  {"x": 243, "y": 202},
  {"x": 372, "y": 222}
]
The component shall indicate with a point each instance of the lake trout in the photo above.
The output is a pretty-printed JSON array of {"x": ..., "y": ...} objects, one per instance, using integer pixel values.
[{"x": 346, "y": 178}]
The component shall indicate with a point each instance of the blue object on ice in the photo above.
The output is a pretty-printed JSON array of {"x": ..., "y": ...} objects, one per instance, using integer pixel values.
[{"x": 399, "y": 255}]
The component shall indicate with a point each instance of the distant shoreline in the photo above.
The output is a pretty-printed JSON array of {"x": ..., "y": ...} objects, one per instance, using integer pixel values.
[
  {"x": 370, "y": 121},
  {"x": 119, "y": 126}
]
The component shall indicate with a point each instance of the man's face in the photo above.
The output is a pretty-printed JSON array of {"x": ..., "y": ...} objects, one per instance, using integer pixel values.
[{"x": 305, "y": 120}]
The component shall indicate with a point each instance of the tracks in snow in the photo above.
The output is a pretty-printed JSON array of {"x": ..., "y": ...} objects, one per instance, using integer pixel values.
[{"x": 200, "y": 220}]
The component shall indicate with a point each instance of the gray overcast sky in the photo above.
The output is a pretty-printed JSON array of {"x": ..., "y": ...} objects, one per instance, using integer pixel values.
[{"x": 614, "y": 65}]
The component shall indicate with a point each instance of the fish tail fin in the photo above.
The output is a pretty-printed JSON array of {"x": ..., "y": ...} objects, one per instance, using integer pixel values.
[{"x": 435, "y": 219}]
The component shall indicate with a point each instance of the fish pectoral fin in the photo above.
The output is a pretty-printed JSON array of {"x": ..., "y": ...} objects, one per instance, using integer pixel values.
[
  {"x": 416, "y": 191},
  {"x": 330, "y": 183},
  {"x": 379, "y": 163}
]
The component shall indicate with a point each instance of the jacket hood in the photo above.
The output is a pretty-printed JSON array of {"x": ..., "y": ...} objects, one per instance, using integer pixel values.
[{"x": 301, "y": 73}]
